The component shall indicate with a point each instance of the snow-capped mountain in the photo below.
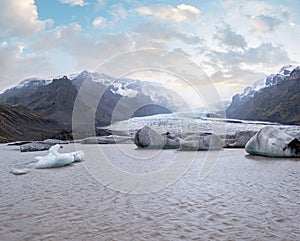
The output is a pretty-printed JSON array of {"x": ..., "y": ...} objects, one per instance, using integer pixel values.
[
  {"x": 55, "y": 98},
  {"x": 125, "y": 87},
  {"x": 39, "y": 81},
  {"x": 275, "y": 98},
  {"x": 85, "y": 75},
  {"x": 269, "y": 81}
]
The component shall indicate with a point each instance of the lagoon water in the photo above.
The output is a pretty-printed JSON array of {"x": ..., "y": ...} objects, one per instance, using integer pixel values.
[{"x": 241, "y": 197}]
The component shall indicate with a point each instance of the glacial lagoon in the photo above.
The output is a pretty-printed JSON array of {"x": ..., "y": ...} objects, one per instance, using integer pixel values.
[{"x": 241, "y": 197}]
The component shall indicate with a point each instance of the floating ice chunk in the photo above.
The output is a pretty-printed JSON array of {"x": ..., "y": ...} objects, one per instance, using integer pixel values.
[
  {"x": 56, "y": 159},
  {"x": 78, "y": 155},
  {"x": 17, "y": 171},
  {"x": 272, "y": 142}
]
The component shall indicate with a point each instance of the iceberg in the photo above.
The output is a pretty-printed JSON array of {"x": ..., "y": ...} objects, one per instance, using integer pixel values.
[
  {"x": 56, "y": 159},
  {"x": 273, "y": 142},
  {"x": 201, "y": 143},
  {"x": 155, "y": 138},
  {"x": 51, "y": 160}
]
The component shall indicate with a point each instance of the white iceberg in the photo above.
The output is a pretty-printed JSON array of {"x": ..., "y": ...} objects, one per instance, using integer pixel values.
[{"x": 56, "y": 159}]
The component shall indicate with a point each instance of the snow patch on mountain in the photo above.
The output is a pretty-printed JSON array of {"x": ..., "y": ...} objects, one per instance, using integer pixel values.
[
  {"x": 40, "y": 81},
  {"x": 33, "y": 82},
  {"x": 269, "y": 81},
  {"x": 93, "y": 76},
  {"x": 125, "y": 87}
]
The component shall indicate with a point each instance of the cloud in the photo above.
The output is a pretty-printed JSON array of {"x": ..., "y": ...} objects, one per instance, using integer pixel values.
[
  {"x": 249, "y": 8},
  {"x": 166, "y": 33},
  {"x": 266, "y": 54},
  {"x": 189, "y": 8},
  {"x": 88, "y": 51},
  {"x": 19, "y": 18},
  {"x": 99, "y": 22},
  {"x": 181, "y": 13},
  {"x": 74, "y": 2},
  {"x": 16, "y": 65},
  {"x": 236, "y": 76},
  {"x": 233, "y": 69},
  {"x": 55, "y": 38},
  {"x": 118, "y": 12},
  {"x": 233, "y": 80},
  {"x": 8, "y": 53},
  {"x": 264, "y": 23},
  {"x": 229, "y": 38},
  {"x": 99, "y": 5},
  {"x": 181, "y": 51}
]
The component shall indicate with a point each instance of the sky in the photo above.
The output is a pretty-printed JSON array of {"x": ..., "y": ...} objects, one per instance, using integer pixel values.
[{"x": 234, "y": 42}]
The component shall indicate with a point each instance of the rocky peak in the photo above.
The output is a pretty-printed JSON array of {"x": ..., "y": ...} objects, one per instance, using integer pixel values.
[{"x": 278, "y": 100}]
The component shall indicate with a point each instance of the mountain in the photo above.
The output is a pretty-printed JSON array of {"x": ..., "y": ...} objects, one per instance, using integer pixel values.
[
  {"x": 52, "y": 100},
  {"x": 121, "y": 98},
  {"x": 20, "y": 123},
  {"x": 274, "y": 99}
]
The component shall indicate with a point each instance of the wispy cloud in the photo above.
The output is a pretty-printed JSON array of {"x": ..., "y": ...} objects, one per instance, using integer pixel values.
[
  {"x": 181, "y": 13},
  {"x": 166, "y": 33},
  {"x": 74, "y": 2},
  {"x": 227, "y": 37},
  {"x": 264, "y": 23}
]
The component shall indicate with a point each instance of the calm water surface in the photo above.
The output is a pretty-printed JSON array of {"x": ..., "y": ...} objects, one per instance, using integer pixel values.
[{"x": 243, "y": 198}]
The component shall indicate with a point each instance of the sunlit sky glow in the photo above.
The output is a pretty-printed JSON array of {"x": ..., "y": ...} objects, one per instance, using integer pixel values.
[{"x": 235, "y": 42}]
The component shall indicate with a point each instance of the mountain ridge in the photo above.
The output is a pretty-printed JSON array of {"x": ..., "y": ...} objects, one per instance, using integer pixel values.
[
  {"x": 277, "y": 100},
  {"x": 54, "y": 99}
]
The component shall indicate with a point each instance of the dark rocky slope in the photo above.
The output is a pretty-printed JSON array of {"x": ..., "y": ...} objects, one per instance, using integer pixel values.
[
  {"x": 19, "y": 123},
  {"x": 279, "y": 102}
]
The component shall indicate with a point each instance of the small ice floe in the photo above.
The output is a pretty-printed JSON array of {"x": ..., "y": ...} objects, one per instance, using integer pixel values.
[
  {"x": 51, "y": 160},
  {"x": 21, "y": 171},
  {"x": 56, "y": 159}
]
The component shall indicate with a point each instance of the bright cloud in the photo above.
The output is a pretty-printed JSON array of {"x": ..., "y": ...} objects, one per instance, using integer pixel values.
[
  {"x": 74, "y": 2},
  {"x": 99, "y": 22},
  {"x": 19, "y": 18},
  {"x": 181, "y": 13}
]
